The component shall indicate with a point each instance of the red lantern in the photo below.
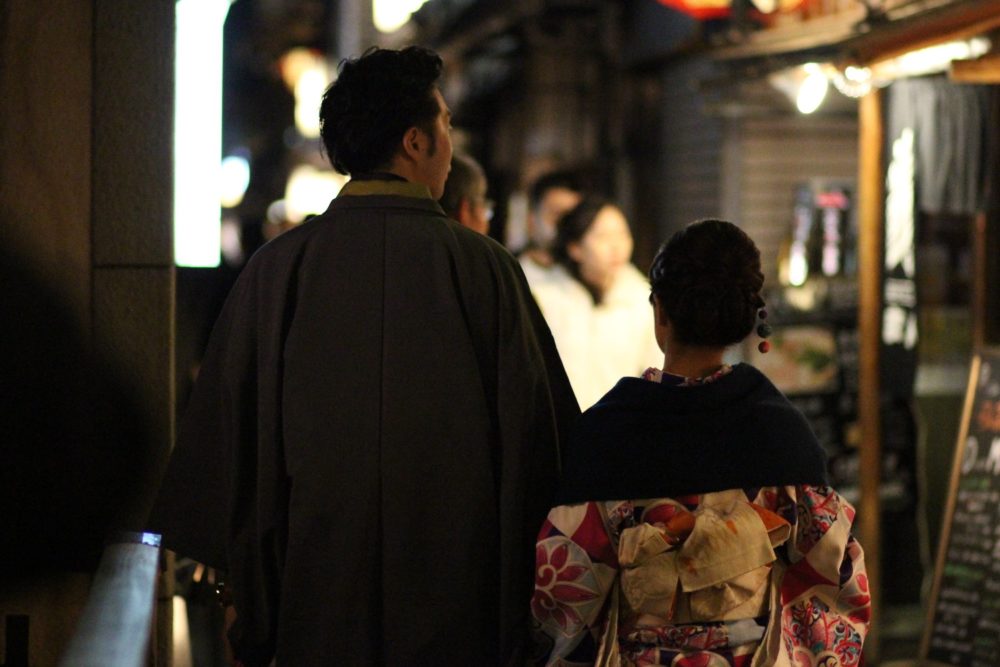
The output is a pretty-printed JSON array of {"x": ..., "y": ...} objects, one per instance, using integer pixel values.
[
  {"x": 700, "y": 9},
  {"x": 719, "y": 9}
]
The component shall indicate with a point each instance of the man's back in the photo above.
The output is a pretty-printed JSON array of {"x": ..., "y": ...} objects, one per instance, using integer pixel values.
[{"x": 386, "y": 398}]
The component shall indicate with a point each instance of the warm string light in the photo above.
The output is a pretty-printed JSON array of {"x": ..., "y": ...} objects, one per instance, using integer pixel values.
[
  {"x": 806, "y": 85},
  {"x": 854, "y": 82}
]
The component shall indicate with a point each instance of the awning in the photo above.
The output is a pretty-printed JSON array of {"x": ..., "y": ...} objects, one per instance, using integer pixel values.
[{"x": 863, "y": 38}]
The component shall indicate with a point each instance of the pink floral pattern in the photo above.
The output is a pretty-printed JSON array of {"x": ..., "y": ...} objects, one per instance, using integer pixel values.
[
  {"x": 561, "y": 587},
  {"x": 657, "y": 375},
  {"x": 817, "y": 510},
  {"x": 825, "y": 601},
  {"x": 811, "y": 628},
  {"x": 700, "y": 659}
]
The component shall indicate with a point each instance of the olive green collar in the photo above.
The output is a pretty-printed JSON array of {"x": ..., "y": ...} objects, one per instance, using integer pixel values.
[{"x": 365, "y": 188}]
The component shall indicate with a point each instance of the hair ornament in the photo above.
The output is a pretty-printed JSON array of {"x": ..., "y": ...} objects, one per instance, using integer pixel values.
[{"x": 764, "y": 330}]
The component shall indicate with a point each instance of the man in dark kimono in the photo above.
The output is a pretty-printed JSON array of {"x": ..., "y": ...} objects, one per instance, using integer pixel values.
[{"x": 372, "y": 442}]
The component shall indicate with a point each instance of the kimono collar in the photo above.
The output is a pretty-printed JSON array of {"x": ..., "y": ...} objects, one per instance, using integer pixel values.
[{"x": 365, "y": 185}]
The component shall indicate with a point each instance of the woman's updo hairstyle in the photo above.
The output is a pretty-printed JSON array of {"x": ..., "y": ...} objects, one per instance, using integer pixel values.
[{"x": 708, "y": 280}]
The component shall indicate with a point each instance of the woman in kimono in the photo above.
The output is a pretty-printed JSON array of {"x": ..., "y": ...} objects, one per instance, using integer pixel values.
[{"x": 696, "y": 526}]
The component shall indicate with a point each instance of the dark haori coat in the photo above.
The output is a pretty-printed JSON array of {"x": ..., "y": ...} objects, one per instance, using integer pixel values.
[{"x": 373, "y": 441}]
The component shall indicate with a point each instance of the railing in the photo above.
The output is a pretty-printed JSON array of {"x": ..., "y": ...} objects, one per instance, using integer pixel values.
[{"x": 116, "y": 623}]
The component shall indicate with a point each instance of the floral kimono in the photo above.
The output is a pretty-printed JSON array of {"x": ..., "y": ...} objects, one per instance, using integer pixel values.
[{"x": 742, "y": 575}]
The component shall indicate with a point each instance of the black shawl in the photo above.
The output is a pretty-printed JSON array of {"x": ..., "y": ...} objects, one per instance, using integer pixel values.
[{"x": 649, "y": 440}]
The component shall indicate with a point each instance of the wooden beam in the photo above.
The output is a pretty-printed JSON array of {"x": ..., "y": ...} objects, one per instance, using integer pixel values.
[
  {"x": 871, "y": 190},
  {"x": 790, "y": 37},
  {"x": 862, "y": 40},
  {"x": 981, "y": 70},
  {"x": 934, "y": 25}
]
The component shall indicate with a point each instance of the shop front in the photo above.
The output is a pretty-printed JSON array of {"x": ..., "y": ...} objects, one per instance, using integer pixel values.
[{"x": 885, "y": 293}]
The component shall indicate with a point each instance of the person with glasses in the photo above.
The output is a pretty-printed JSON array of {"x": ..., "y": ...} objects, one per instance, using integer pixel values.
[{"x": 464, "y": 198}]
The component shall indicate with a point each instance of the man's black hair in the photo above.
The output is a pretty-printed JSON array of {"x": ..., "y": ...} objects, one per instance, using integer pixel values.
[
  {"x": 557, "y": 179},
  {"x": 374, "y": 101}
]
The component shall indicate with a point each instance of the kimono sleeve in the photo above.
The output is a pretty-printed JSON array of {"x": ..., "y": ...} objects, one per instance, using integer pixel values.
[
  {"x": 826, "y": 605},
  {"x": 535, "y": 409},
  {"x": 193, "y": 500},
  {"x": 223, "y": 501},
  {"x": 575, "y": 567}
]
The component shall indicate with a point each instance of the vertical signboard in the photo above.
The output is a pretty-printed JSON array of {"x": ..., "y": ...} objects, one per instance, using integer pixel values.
[{"x": 964, "y": 612}]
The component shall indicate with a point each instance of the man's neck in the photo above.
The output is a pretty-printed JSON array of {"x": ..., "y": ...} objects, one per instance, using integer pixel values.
[
  {"x": 379, "y": 175},
  {"x": 401, "y": 168}
]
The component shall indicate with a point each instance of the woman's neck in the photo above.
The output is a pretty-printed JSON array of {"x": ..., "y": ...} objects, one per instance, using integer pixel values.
[
  {"x": 692, "y": 362},
  {"x": 595, "y": 291}
]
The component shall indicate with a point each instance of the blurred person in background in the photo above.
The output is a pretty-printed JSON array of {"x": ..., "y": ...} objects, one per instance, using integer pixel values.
[
  {"x": 373, "y": 436},
  {"x": 464, "y": 198},
  {"x": 595, "y": 300},
  {"x": 551, "y": 197}
]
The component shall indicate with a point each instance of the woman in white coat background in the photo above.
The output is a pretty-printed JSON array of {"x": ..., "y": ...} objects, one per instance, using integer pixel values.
[{"x": 596, "y": 301}]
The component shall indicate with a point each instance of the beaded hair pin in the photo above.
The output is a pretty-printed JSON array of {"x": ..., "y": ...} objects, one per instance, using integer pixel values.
[{"x": 763, "y": 330}]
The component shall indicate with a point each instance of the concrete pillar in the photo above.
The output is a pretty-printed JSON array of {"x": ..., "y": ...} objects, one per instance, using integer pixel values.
[{"x": 86, "y": 106}]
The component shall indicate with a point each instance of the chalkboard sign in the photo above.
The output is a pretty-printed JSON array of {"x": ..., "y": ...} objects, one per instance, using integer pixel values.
[{"x": 964, "y": 612}]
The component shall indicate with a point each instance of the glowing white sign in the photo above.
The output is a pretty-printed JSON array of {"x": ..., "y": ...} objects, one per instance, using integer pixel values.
[{"x": 198, "y": 131}]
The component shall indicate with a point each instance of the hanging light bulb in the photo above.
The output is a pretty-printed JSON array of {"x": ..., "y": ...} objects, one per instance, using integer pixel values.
[
  {"x": 805, "y": 85},
  {"x": 812, "y": 90}
]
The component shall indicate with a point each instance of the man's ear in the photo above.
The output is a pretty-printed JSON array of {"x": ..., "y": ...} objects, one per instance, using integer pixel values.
[
  {"x": 464, "y": 211},
  {"x": 413, "y": 142}
]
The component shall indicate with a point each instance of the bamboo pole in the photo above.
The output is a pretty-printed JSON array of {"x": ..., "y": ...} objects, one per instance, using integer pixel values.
[{"x": 871, "y": 187}]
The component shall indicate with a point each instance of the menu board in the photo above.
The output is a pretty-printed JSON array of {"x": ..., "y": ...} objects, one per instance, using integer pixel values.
[{"x": 964, "y": 612}]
